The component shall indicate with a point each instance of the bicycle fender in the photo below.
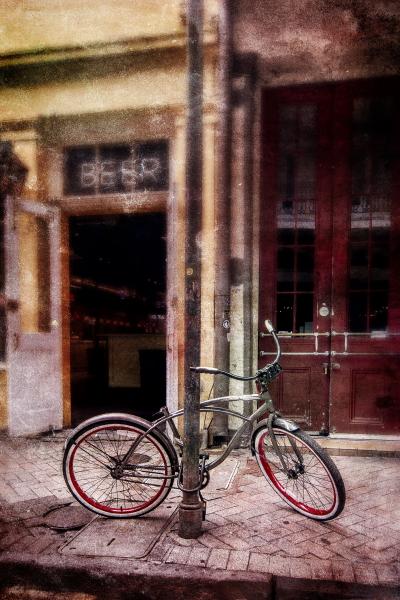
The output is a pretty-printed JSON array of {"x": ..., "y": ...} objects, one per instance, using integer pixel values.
[
  {"x": 279, "y": 422},
  {"x": 130, "y": 418}
]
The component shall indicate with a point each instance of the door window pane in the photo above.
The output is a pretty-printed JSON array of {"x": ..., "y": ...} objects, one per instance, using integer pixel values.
[
  {"x": 296, "y": 218},
  {"x": 359, "y": 267},
  {"x": 306, "y": 236},
  {"x": 378, "y": 311},
  {"x": 304, "y": 313},
  {"x": 286, "y": 236},
  {"x": 34, "y": 274},
  {"x": 358, "y": 307},
  {"x": 305, "y": 269},
  {"x": 285, "y": 305},
  {"x": 285, "y": 279},
  {"x": 44, "y": 301},
  {"x": 372, "y": 148},
  {"x": 380, "y": 266}
]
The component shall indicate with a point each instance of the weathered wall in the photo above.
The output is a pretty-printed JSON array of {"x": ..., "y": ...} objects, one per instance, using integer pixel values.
[
  {"x": 32, "y": 25},
  {"x": 3, "y": 400},
  {"x": 148, "y": 82},
  {"x": 319, "y": 40},
  {"x": 58, "y": 58},
  {"x": 99, "y": 71}
]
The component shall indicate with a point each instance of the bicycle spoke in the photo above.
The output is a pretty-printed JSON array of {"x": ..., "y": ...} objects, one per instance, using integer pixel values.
[
  {"x": 94, "y": 458},
  {"x": 305, "y": 483},
  {"x": 95, "y": 475}
]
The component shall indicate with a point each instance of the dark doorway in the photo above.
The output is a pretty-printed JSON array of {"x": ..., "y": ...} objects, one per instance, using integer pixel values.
[{"x": 118, "y": 314}]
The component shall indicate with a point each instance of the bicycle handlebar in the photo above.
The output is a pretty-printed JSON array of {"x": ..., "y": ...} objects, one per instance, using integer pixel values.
[{"x": 213, "y": 371}]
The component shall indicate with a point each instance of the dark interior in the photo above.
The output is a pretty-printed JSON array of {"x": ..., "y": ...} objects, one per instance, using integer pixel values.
[{"x": 117, "y": 292}]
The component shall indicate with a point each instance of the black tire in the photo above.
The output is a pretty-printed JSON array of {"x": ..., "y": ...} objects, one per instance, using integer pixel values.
[
  {"x": 313, "y": 488},
  {"x": 89, "y": 467}
]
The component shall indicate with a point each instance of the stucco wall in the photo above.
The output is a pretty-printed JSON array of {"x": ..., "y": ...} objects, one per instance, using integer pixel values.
[
  {"x": 32, "y": 25},
  {"x": 149, "y": 82},
  {"x": 3, "y": 400},
  {"x": 319, "y": 40}
]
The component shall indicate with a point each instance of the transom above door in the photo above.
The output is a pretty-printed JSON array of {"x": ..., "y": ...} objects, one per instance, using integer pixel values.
[{"x": 330, "y": 233}]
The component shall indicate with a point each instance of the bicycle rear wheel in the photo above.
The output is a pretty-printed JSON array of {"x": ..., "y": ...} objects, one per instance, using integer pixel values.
[
  {"x": 92, "y": 471},
  {"x": 311, "y": 484}
]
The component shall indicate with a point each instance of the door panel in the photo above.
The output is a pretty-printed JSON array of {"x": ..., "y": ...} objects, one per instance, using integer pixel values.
[
  {"x": 365, "y": 266},
  {"x": 33, "y": 319},
  {"x": 330, "y": 274},
  {"x": 295, "y": 233}
]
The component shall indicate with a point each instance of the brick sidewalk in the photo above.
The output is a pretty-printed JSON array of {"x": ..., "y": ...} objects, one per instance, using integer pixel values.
[
  {"x": 247, "y": 528},
  {"x": 250, "y": 528}
]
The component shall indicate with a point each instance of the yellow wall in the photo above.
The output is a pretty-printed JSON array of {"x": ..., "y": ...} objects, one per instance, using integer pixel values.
[
  {"x": 132, "y": 66},
  {"x": 36, "y": 24},
  {"x": 154, "y": 83}
]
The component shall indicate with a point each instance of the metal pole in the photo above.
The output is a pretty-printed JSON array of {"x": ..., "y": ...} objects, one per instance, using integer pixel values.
[
  {"x": 191, "y": 507},
  {"x": 219, "y": 424}
]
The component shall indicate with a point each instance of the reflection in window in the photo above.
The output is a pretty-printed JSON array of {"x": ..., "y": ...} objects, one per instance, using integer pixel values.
[
  {"x": 43, "y": 242},
  {"x": 370, "y": 214},
  {"x": 296, "y": 219},
  {"x": 34, "y": 273}
]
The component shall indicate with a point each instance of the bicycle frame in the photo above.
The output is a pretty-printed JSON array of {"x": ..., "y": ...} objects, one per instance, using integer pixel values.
[
  {"x": 208, "y": 406},
  {"x": 264, "y": 376},
  {"x": 273, "y": 440}
]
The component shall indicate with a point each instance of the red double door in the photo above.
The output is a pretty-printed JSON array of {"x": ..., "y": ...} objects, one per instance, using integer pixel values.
[{"x": 330, "y": 253}]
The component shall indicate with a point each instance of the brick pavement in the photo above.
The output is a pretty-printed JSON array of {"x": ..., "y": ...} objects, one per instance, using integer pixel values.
[
  {"x": 250, "y": 528},
  {"x": 247, "y": 528}
]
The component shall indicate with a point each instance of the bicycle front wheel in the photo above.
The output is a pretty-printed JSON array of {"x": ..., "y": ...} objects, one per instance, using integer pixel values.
[
  {"x": 311, "y": 483},
  {"x": 92, "y": 469}
]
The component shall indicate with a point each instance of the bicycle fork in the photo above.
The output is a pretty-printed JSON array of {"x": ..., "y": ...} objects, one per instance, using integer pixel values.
[{"x": 277, "y": 449}]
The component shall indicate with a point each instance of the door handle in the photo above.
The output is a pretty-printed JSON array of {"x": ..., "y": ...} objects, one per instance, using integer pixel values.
[
  {"x": 324, "y": 310},
  {"x": 330, "y": 366}
]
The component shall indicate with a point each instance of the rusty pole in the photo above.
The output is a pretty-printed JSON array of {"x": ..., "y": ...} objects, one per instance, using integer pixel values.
[
  {"x": 219, "y": 424},
  {"x": 191, "y": 507}
]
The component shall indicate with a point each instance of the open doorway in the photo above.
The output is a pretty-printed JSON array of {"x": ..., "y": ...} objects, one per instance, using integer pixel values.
[{"x": 118, "y": 314}]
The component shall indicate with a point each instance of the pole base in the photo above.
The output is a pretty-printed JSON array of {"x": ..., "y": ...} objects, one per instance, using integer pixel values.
[{"x": 190, "y": 520}]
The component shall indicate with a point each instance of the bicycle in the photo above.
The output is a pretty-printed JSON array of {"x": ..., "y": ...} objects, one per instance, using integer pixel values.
[{"x": 120, "y": 465}]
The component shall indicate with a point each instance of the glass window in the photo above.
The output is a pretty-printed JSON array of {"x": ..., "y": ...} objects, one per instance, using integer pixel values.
[
  {"x": 372, "y": 144},
  {"x": 34, "y": 274},
  {"x": 115, "y": 169},
  {"x": 296, "y": 218}
]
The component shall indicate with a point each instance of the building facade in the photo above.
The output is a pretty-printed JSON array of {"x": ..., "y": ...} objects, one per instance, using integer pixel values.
[
  {"x": 300, "y": 203},
  {"x": 326, "y": 232}
]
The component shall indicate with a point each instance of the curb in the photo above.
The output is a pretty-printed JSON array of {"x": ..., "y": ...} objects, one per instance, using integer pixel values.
[{"x": 107, "y": 579}]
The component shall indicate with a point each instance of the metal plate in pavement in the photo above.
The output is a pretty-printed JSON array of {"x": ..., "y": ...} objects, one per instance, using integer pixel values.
[{"x": 122, "y": 538}]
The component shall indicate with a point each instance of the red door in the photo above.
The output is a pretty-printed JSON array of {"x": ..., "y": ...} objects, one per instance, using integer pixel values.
[{"x": 329, "y": 235}]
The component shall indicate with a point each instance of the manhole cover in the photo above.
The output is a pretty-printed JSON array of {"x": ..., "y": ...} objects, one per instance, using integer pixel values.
[{"x": 67, "y": 517}]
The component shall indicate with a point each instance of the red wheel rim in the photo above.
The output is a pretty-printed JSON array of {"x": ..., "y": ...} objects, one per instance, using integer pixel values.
[
  {"x": 109, "y": 509},
  {"x": 271, "y": 476}
]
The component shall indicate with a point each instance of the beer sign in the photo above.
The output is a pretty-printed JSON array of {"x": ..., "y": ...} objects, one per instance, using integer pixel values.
[{"x": 93, "y": 170}]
